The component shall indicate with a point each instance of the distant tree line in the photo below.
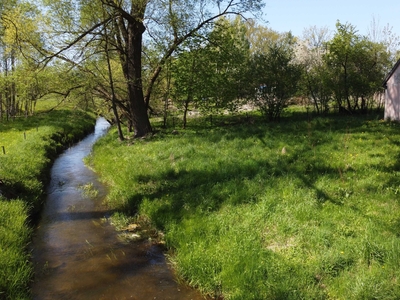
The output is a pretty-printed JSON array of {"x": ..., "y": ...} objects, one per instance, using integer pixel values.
[{"x": 171, "y": 58}]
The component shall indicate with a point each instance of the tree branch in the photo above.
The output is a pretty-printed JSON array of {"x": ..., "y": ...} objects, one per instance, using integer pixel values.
[
  {"x": 47, "y": 59},
  {"x": 177, "y": 42}
]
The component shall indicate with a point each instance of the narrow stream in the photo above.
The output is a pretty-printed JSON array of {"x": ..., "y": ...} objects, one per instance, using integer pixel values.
[{"x": 78, "y": 255}]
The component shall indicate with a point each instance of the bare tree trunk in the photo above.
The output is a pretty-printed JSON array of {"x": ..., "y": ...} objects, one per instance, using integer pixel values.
[
  {"x": 7, "y": 90},
  {"x": 14, "y": 105},
  {"x": 113, "y": 98},
  {"x": 185, "y": 111},
  {"x": 166, "y": 96},
  {"x": 165, "y": 110},
  {"x": 1, "y": 106},
  {"x": 27, "y": 108}
]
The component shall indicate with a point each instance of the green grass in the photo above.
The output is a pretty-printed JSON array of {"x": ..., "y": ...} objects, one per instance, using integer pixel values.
[
  {"x": 15, "y": 268},
  {"x": 244, "y": 220},
  {"x": 30, "y": 146}
]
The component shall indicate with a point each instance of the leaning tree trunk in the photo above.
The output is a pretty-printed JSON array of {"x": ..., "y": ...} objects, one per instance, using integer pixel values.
[{"x": 111, "y": 79}]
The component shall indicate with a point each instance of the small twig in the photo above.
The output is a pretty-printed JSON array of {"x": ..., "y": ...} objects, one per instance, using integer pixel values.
[{"x": 341, "y": 175}]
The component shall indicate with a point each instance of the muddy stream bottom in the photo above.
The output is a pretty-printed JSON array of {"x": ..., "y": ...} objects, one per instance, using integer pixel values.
[{"x": 77, "y": 254}]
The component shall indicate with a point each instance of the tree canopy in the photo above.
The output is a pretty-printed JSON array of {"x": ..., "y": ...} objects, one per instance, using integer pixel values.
[
  {"x": 133, "y": 28},
  {"x": 146, "y": 57}
]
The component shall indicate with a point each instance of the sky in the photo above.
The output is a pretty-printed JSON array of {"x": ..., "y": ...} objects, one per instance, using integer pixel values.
[{"x": 296, "y": 15}]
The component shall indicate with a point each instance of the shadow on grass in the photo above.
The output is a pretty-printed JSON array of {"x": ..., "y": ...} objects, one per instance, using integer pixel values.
[
  {"x": 236, "y": 127},
  {"x": 12, "y": 190},
  {"x": 179, "y": 192},
  {"x": 201, "y": 190}
]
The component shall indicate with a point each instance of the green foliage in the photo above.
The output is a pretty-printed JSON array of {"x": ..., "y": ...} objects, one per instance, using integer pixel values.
[
  {"x": 130, "y": 27},
  {"x": 19, "y": 39},
  {"x": 211, "y": 76},
  {"x": 314, "y": 83},
  {"x": 357, "y": 67},
  {"x": 15, "y": 268},
  {"x": 228, "y": 57},
  {"x": 246, "y": 219},
  {"x": 275, "y": 76}
]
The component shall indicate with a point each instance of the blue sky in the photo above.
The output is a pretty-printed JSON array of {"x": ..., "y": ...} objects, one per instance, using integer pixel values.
[{"x": 295, "y": 15}]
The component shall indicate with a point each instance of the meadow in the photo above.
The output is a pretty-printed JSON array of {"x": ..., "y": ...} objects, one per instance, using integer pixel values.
[
  {"x": 27, "y": 148},
  {"x": 307, "y": 208}
]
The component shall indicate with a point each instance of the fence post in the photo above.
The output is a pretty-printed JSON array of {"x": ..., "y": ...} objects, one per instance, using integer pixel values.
[{"x": 4, "y": 149}]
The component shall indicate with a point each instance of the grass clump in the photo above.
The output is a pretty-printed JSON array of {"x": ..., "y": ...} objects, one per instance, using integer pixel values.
[
  {"x": 301, "y": 209},
  {"x": 15, "y": 269},
  {"x": 30, "y": 145}
]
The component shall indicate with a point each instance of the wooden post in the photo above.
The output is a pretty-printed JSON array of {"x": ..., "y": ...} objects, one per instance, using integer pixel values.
[
  {"x": 4, "y": 150},
  {"x": 24, "y": 135}
]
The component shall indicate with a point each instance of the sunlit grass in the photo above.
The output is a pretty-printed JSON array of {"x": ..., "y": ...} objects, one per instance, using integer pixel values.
[
  {"x": 249, "y": 220},
  {"x": 15, "y": 268}
]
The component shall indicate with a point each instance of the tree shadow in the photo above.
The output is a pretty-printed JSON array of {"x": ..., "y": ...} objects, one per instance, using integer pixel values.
[
  {"x": 181, "y": 192},
  {"x": 200, "y": 190},
  {"x": 11, "y": 190}
]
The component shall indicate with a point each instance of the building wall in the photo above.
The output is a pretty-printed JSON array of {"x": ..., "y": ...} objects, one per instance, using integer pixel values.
[{"x": 392, "y": 102}]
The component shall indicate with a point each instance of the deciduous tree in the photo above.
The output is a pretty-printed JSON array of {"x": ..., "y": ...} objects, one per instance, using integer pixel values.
[
  {"x": 21, "y": 85},
  {"x": 275, "y": 76},
  {"x": 166, "y": 23},
  {"x": 309, "y": 53},
  {"x": 356, "y": 67}
]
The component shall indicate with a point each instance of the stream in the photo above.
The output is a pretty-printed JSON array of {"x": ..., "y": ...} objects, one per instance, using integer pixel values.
[{"x": 77, "y": 254}]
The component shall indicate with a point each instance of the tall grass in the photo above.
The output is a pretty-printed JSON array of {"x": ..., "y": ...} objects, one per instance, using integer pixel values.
[
  {"x": 247, "y": 219},
  {"x": 30, "y": 145}
]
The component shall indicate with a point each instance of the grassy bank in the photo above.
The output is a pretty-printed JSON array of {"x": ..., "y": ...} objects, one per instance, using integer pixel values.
[
  {"x": 27, "y": 148},
  {"x": 301, "y": 209}
]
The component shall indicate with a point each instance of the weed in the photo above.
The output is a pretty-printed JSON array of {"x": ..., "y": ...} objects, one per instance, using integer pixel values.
[{"x": 89, "y": 190}]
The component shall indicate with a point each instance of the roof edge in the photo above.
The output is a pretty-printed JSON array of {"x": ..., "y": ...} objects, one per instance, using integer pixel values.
[{"x": 396, "y": 65}]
